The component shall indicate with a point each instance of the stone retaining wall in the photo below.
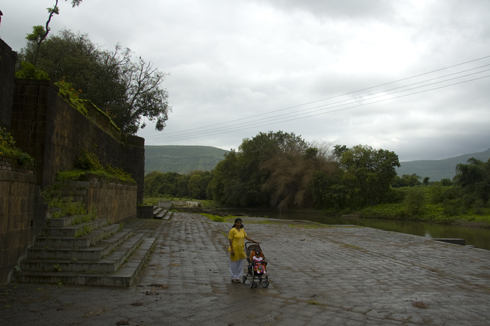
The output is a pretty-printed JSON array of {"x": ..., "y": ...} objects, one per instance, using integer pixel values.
[
  {"x": 114, "y": 201},
  {"x": 55, "y": 133},
  {"x": 7, "y": 68},
  {"x": 22, "y": 214}
]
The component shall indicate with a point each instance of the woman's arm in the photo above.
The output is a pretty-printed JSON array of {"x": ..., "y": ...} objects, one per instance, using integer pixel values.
[
  {"x": 231, "y": 246},
  {"x": 252, "y": 240}
]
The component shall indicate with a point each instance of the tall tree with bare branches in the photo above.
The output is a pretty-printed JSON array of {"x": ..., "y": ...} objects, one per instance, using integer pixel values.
[
  {"x": 39, "y": 32},
  {"x": 292, "y": 174}
]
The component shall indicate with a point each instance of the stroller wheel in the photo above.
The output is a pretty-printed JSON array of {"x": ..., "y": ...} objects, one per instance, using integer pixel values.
[
  {"x": 253, "y": 285},
  {"x": 244, "y": 278}
]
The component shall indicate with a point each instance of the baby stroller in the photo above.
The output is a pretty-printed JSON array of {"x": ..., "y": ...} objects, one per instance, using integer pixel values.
[{"x": 257, "y": 276}]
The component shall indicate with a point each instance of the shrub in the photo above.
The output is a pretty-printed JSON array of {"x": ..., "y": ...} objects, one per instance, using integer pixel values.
[
  {"x": 88, "y": 161},
  {"x": 384, "y": 211},
  {"x": 414, "y": 201},
  {"x": 478, "y": 206},
  {"x": 29, "y": 71},
  {"x": 8, "y": 149},
  {"x": 451, "y": 207}
]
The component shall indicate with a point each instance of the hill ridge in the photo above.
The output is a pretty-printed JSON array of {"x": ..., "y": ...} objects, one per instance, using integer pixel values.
[
  {"x": 437, "y": 170},
  {"x": 182, "y": 158}
]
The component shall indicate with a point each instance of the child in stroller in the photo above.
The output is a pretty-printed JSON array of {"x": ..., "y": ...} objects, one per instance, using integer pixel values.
[
  {"x": 259, "y": 263},
  {"x": 256, "y": 266}
]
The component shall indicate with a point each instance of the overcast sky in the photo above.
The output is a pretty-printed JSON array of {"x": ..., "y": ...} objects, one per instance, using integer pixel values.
[{"x": 405, "y": 76}]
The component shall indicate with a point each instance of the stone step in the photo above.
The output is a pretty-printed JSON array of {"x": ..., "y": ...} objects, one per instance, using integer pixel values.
[
  {"x": 160, "y": 215},
  {"x": 110, "y": 263},
  {"x": 123, "y": 277},
  {"x": 61, "y": 222},
  {"x": 157, "y": 210},
  {"x": 101, "y": 249},
  {"x": 169, "y": 216},
  {"x": 78, "y": 242},
  {"x": 75, "y": 230}
]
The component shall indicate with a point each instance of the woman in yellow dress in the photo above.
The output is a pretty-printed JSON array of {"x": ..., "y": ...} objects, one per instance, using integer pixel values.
[{"x": 236, "y": 249}]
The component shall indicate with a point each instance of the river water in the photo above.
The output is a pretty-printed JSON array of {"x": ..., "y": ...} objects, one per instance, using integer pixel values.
[{"x": 478, "y": 237}]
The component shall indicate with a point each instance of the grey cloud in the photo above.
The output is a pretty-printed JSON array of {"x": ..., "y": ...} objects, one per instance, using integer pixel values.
[{"x": 373, "y": 9}]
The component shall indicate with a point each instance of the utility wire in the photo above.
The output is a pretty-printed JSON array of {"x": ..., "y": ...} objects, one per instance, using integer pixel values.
[
  {"x": 337, "y": 104},
  {"x": 325, "y": 99},
  {"x": 323, "y": 107},
  {"x": 336, "y": 110}
]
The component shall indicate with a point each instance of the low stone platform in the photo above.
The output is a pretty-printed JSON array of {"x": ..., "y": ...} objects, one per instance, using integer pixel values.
[{"x": 319, "y": 275}]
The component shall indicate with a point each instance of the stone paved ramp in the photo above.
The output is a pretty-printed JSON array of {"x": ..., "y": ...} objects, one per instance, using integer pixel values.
[{"x": 319, "y": 276}]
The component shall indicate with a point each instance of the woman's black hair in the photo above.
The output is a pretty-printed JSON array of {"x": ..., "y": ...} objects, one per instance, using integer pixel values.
[{"x": 236, "y": 220}]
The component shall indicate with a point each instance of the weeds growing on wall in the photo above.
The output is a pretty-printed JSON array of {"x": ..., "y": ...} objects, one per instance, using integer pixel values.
[
  {"x": 88, "y": 162},
  {"x": 29, "y": 71},
  {"x": 53, "y": 196},
  {"x": 8, "y": 149},
  {"x": 72, "y": 96}
]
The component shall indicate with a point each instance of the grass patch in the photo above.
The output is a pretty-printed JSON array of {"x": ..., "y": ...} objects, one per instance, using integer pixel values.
[
  {"x": 108, "y": 174},
  {"x": 214, "y": 218},
  {"x": 350, "y": 246},
  {"x": 436, "y": 213}
]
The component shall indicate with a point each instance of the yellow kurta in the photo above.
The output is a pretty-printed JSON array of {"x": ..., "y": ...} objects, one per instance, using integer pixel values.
[{"x": 238, "y": 241}]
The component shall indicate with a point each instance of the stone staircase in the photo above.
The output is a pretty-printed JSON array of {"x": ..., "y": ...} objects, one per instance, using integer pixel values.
[
  {"x": 72, "y": 250},
  {"x": 160, "y": 213}
]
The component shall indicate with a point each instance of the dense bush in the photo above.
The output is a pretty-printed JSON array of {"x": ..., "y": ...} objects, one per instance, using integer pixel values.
[
  {"x": 171, "y": 184},
  {"x": 8, "y": 149}
]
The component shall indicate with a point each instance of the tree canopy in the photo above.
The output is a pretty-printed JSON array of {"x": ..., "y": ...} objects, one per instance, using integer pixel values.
[
  {"x": 128, "y": 89},
  {"x": 39, "y": 32},
  {"x": 272, "y": 169},
  {"x": 474, "y": 180},
  {"x": 364, "y": 178}
]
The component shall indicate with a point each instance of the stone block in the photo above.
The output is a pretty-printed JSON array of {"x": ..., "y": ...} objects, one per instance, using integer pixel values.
[
  {"x": 145, "y": 212},
  {"x": 39, "y": 126},
  {"x": 24, "y": 125},
  {"x": 3, "y": 225}
]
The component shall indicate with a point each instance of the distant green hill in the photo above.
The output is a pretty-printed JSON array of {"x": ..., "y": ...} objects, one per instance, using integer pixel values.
[
  {"x": 182, "y": 159},
  {"x": 437, "y": 170}
]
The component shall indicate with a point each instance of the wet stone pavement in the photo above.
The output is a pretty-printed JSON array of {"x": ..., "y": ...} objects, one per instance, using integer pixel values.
[{"x": 319, "y": 275}]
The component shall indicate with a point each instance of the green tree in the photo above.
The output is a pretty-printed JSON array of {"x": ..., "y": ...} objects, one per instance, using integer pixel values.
[
  {"x": 446, "y": 182},
  {"x": 291, "y": 175},
  {"x": 414, "y": 200},
  {"x": 238, "y": 179},
  {"x": 328, "y": 191},
  {"x": 128, "y": 89},
  {"x": 39, "y": 32},
  {"x": 368, "y": 174},
  {"x": 474, "y": 180},
  {"x": 406, "y": 180},
  {"x": 194, "y": 186}
]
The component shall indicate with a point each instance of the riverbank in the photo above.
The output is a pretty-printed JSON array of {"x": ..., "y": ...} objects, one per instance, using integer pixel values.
[
  {"x": 377, "y": 212},
  {"x": 325, "y": 275}
]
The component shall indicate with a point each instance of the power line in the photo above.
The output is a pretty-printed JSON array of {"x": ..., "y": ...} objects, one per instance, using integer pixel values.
[
  {"x": 335, "y": 104},
  {"x": 329, "y": 98},
  {"x": 208, "y": 130},
  {"x": 332, "y": 111}
]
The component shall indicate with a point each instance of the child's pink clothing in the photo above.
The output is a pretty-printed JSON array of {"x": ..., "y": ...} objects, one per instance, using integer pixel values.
[{"x": 259, "y": 266}]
